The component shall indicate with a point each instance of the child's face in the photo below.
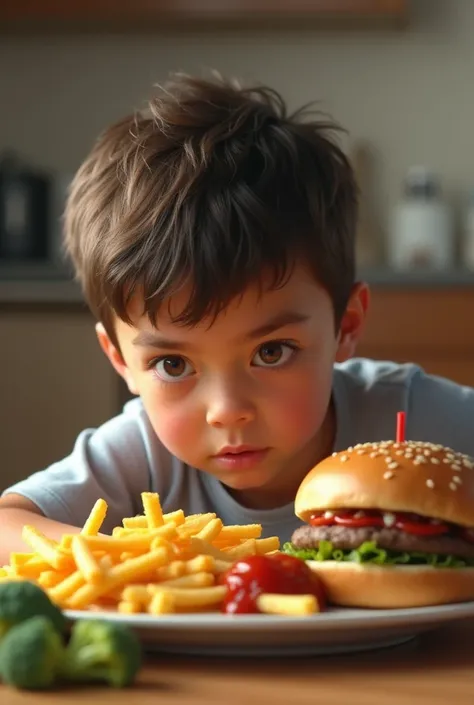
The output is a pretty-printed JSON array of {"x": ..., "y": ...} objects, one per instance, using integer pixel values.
[{"x": 258, "y": 379}]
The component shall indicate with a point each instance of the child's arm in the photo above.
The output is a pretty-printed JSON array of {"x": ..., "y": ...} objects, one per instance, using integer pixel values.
[{"x": 15, "y": 512}]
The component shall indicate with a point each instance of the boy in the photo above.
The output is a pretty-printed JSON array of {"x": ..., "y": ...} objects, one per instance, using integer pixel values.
[{"x": 214, "y": 240}]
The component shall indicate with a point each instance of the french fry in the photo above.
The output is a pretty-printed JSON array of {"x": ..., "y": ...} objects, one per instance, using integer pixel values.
[
  {"x": 96, "y": 519},
  {"x": 19, "y": 559},
  {"x": 200, "y": 546},
  {"x": 152, "y": 509},
  {"x": 46, "y": 548},
  {"x": 118, "y": 576},
  {"x": 195, "y": 597},
  {"x": 162, "y": 602},
  {"x": 244, "y": 531},
  {"x": 210, "y": 531},
  {"x": 175, "y": 569},
  {"x": 268, "y": 545},
  {"x": 189, "y": 581},
  {"x": 199, "y": 564},
  {"x": 86, "y": 561},
  {"x": 193, "y": 525},
  {"x": 129, "y": 607},
  {"x": 137, "y": 593},
  {"x": 290, "y": 605},
  {"x": 51, "y": 578},
  {"x": 176, "y": 517},
  {"x": 156, "y": 563},
  {"x": 247, "y": 548},
  {"x": 67, "y": 587}
]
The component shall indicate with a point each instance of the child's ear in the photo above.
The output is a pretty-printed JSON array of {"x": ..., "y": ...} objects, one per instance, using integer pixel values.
[
  {"x": 352, "y": 323},
  {"x": 115, "y": 357}
]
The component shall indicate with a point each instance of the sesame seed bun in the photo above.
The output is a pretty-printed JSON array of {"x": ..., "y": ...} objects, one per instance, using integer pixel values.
[
  {"x": 393, "y": 587},
  {"x": 422, "y": 478}
]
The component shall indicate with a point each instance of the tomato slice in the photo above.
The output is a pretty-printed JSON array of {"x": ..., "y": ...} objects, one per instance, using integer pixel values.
[
  {"x": 410, "y": 523},
  {"x": 358, "y": 522},
  {"x": 419, "y": 528}
]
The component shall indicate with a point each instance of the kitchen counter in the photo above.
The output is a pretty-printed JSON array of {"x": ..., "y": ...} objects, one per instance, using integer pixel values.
[
  {"x": 436, "y": 668},
  {"x": 32, "y": 283}
]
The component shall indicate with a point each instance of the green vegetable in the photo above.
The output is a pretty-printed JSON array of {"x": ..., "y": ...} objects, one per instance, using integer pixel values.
[
  {"x": 20, "y": 600},
  {"x": 102, "y": 651},
  {"x": 369, "y": 552},
  {"x": 31, "y": 654}
]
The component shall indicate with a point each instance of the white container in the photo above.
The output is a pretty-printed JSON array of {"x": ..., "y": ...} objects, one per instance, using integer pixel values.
[
  {"x": 467, "y": 244},
  {"x": 421, "y": 234}
]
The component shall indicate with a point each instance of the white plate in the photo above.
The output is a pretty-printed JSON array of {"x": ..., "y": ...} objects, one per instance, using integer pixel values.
[{"x": 334, "y": 631}]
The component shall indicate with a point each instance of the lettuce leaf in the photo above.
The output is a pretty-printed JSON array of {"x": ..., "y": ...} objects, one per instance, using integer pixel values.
[{"x": 369, "y": 552}]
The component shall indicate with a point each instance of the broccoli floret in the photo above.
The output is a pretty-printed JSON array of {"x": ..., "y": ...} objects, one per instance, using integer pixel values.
[
  {"x": 102, "y": 651},
  {"x": 20, "y": 600},
  {"x": 31, "y": 655}
]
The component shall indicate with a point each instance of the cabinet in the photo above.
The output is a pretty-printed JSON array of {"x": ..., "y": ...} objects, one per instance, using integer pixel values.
[
  {"x": 93, "y": 14},
  {"x": 429, "y": 326},
  {"x": 55, "y": 381}
]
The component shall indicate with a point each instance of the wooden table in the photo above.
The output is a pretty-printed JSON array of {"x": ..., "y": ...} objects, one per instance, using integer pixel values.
[{"x": 438, "y": 668}]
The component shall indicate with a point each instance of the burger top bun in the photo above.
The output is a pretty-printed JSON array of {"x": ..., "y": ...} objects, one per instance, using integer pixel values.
[{"x": 409, "y": 476}]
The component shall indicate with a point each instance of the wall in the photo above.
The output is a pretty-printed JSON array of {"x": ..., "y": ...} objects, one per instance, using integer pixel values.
[{"x": 409, "y": 92}]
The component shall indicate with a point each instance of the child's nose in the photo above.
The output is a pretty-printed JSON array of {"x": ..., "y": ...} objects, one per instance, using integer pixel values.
[{"x": 226, "y": 410}]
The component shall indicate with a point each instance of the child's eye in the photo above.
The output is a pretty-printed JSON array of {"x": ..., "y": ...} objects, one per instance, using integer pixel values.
[
  {"x": 274, "y": 354},
  {"x": 172, "y": 368}
]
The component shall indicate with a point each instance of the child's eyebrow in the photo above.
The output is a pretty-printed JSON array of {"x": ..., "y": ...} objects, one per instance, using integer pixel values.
[
  {"x": 287, "y": 318},
  {"x": 152, "y": 339}
]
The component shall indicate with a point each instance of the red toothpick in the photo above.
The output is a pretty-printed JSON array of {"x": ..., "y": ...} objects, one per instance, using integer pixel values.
[{"x": 401, "y": 417}]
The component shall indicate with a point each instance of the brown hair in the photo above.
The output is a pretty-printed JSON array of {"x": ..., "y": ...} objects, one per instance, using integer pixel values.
[{"x": 213, "y": 184}]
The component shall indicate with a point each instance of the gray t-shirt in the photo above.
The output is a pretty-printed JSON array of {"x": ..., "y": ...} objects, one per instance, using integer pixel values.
[{"x": 124, "y": 457}]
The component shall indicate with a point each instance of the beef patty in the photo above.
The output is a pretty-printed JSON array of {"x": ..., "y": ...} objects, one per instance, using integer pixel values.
[{"x": 343, "y": 537}]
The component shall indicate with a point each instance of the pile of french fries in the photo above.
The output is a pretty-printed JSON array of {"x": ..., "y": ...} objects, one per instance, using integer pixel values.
[{"x": 154, "y": 563}]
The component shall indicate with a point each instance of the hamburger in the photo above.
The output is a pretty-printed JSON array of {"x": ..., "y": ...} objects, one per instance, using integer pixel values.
[{"x": 389, "y": 525}]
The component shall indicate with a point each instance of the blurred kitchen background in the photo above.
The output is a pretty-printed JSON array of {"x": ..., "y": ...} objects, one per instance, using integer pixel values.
[{"x": 396, "y": 73}]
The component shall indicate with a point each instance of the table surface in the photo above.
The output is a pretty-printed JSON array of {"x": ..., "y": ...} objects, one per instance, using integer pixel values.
[{"x": 438, "y": 667}]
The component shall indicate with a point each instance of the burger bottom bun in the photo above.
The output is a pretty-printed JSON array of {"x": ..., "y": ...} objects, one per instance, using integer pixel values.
[{"x": 392, "y": 587}]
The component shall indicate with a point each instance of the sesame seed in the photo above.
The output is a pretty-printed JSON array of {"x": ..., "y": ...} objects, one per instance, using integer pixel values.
[
  {"x": 393, "y": 466},
  {"x": 457, "y": 480},
  {"x": 388, "y": 460},
  {"x": 420, "y": 459},
  {"x": 435, "y": 461},
  {"x": 374, "y": 455},
  {"x": 399, "y": 452},
  {"x": 427, "y": 452},
  {"x": 333, "y": 455},
  {"x": 430, "y": 484},
  {"x": 455, "y": 467},
  {"x": 361, "y": 452},
  {"x": 467, "y": 463},
  {"x": 383, "y": 451},
  {"x": 388, "y": 475},
  {"x": 344, "y": 458},
  {"x": 453, "y": 486}
]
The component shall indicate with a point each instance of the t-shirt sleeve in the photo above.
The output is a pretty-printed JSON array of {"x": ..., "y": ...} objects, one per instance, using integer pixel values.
[
  {"x": 111, "y": 462},
  {"x": 441, "y": 411}
]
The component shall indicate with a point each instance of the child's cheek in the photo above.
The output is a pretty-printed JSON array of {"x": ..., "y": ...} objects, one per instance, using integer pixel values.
[{"x": 175, "y": 429}]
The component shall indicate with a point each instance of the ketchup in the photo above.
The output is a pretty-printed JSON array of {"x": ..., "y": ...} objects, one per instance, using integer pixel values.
[
  {"x": 410, "y": 523},
  {"x": 278, "y": 573}
]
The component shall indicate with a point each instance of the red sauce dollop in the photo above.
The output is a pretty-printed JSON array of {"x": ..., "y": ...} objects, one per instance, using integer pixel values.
[{"x": 278, "y": 573}]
